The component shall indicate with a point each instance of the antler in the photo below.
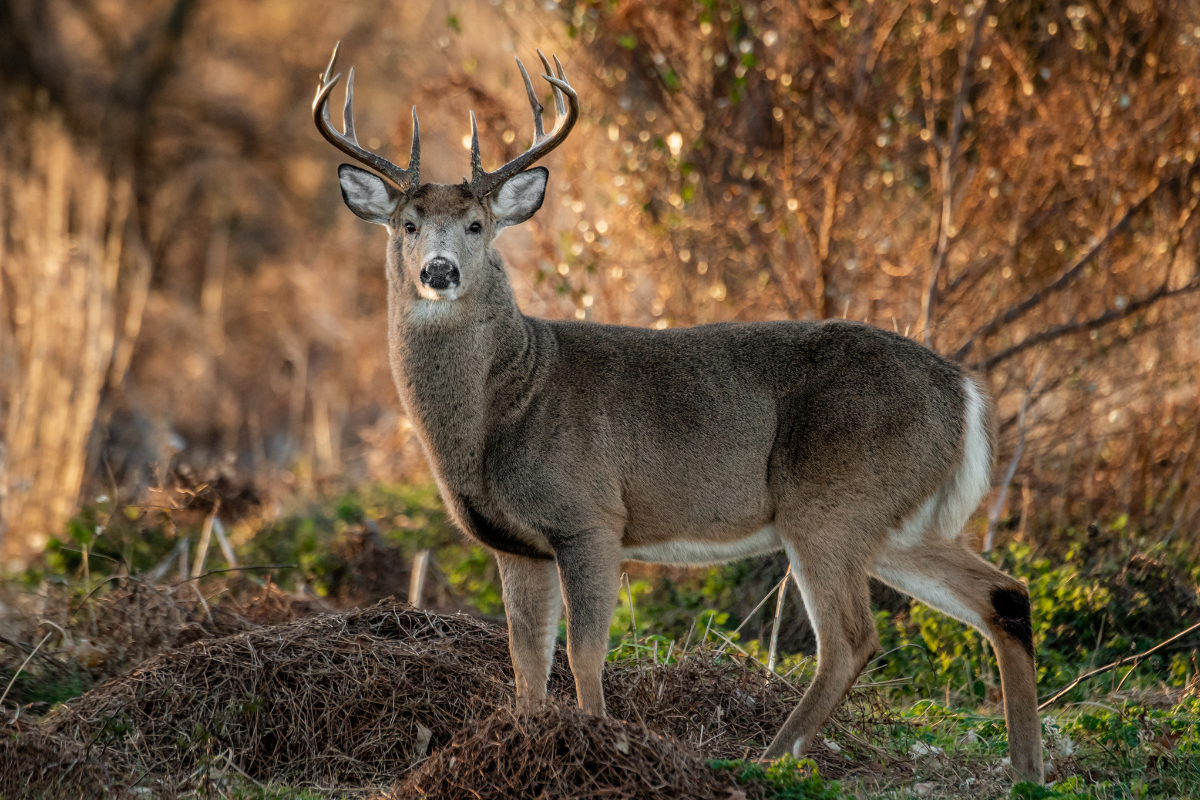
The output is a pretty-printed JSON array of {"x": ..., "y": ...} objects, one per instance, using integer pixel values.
[
  {"x": 406, "y": 179},
  {"x": 484, "y": 183}
]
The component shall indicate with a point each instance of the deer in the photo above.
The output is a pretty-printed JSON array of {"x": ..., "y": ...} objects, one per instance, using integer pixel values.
[{"x": 568, "y": 447}]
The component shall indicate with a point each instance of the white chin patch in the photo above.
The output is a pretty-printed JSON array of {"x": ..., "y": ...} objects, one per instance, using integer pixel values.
[{"x": 429, "y": 293}]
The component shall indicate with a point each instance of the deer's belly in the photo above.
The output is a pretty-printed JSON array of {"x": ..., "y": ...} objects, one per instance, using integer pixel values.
[{"x": 693, "y": 552}]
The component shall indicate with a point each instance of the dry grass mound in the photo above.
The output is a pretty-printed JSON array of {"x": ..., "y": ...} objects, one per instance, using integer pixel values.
[
  {"x": 108, "y": 633},
  {"x": 556, "y": 750},
  {"x": 356, "y": 700},
  {"x": 732, "y": 708},
  {"x": 35, "y": 765},
  {"x": 339, "y": 700}
]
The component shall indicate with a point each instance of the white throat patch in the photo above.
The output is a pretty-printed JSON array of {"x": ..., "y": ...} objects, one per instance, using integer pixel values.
[
  {"x": 437, "y": 295},
  {"x": 431, "y": 309}
]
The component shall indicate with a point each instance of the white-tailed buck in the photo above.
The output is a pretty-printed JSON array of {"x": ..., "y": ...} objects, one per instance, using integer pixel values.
[{"x": 568, "y": 447}]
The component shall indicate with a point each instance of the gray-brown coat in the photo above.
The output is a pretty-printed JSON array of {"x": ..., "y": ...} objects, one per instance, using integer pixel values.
[{"x": 567, "y": 447}]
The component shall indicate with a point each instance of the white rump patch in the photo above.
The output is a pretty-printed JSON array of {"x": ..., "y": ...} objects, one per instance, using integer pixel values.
[
  {"x": 683, "y": 552},
  {"x": 971, "y": 480},
  {"x": 798, "y": 747},
  {"x": 948, "y": 509}
]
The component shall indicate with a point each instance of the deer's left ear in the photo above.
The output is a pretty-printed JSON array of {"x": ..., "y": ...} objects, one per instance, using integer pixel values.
[{"x": 520, "y": 196}]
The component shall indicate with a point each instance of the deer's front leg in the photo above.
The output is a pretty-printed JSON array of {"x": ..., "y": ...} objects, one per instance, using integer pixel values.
[
  {"x": 590, "y": 571},
  {"x": 532, "y": 603}
]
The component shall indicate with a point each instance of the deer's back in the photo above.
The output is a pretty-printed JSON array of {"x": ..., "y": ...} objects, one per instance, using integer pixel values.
[{"x": 705, "y": 428}]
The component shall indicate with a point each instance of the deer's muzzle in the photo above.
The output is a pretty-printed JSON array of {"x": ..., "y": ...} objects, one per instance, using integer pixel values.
[{"x": 440, "y": 274}]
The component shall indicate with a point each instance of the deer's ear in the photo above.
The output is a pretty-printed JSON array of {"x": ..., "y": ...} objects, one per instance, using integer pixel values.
[
  {"x": 520, "y": 196},
  {"x": 368, "y": 195}
]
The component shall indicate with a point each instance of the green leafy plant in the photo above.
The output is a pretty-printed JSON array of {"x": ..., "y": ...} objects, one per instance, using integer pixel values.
[{"x": 787, "y": 778}]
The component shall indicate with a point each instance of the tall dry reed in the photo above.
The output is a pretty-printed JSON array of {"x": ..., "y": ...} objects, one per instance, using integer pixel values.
[{"x": 63, "y": 222}]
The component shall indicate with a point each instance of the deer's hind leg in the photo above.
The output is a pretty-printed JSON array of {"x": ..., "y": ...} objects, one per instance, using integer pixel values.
[
  {"x": 832, "y": 579},
  {"x": 533, "y": 604},
  {"x": 946, "y": 576}
]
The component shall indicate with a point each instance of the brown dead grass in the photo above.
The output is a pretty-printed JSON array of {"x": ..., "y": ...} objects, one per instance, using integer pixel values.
[
  {"x": 355, "y": 700},
  {"x": 105, "y": 635},
  {"x": 35, "y": 765},
  {"x": 732, "y": 707},
  {"x": 338, "y": 700},
  {"x": 555, "y": 750}
]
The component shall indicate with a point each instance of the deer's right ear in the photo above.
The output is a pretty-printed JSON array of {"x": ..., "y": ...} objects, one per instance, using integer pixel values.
[{"x": 368, "y": 195}]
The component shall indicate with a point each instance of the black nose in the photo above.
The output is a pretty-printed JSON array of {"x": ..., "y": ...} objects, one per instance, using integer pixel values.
[{"x": 439, "y": 274}]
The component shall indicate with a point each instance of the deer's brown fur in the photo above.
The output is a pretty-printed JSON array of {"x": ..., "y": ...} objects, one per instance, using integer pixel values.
[{"x": 566, "y": 447}]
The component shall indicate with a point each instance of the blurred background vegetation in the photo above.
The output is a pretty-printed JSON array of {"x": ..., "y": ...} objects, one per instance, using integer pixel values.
[{"x": 192, "y": 325}]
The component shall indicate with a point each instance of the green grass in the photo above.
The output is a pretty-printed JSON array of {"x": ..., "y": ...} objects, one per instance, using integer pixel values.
[
  {"x": 1120, "y": 753},
  {"x": 50, "y": 688},
  {"x": 275, "y": 793},
  {"x": 786, "y": 779}
]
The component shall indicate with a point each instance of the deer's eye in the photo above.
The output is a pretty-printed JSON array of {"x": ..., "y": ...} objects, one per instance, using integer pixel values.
[
  {"x": 474, "y": 227},
  {"x": 410, "y": 228}
]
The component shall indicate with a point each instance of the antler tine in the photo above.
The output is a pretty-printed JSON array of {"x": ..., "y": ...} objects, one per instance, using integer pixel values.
[
  {"x": 559, "y": 109},
  {"x": 567, "y": 103},
  {"x": 414, "y": 155},
  {"x": 348, "y": 109},
  {"x": 347, "y": 141},
  {"x": 476, "y": 160},
  {"x": 538, "y": 108},
  {"x": 337, "y": 48}
]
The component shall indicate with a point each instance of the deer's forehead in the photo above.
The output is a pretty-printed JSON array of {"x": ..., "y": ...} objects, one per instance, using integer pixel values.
[{"x": 434, "y": 201}]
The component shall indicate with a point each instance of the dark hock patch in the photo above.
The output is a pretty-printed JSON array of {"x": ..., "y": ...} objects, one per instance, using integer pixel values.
[
  {"x": 497, "y": 538},
  {"x": 1013, "y": 617}
]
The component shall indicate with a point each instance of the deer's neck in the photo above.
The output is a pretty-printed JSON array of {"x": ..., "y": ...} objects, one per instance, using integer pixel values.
[{"x": 460, "y": 375}]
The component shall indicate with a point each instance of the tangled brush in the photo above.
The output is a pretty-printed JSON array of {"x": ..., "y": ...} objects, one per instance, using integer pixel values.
[
  {"x": 338, "y": 700},
  {"x": 35, "y": 765},
  {"x": 731, "y": 708},
  {"x": 356, "y": 700},
  {"x": 556, "y": 750},
  {"x": 103, "y": 636}
]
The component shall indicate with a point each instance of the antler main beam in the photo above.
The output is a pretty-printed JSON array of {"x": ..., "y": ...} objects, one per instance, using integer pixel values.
[
  {"x": 566, "y": 105},
  {"x": 347, "y": 142}
]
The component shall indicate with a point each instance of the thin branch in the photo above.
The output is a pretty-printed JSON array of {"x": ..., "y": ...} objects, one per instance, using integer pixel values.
[
  {"x": 1046, "y": 388},
  {"x": 971, "y": 275},
  {"x": 778, "y": 619},
  {"x": 109, "y": 579},
  {"x": 762, "y": 602},
  {"x": 1116, "y": 665},
  {"x": 989, "y": 540},
  {"x": 1022, "y": 308},
  {"x": 949, "y": 158},
  {"x": 24, "y": 663},
  {"x": 1059, "y": 331},
  {"x": 205, "y": 539},
  {"x": 629, "y": 597},
  {"x": 223, "y": 541},
  {"x": 773, "y": 673},
  {"x": 235, "y": 569}
]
